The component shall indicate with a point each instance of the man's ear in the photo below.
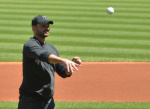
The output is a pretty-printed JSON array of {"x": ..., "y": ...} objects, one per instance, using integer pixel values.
[{"x": 33, "y": 27}]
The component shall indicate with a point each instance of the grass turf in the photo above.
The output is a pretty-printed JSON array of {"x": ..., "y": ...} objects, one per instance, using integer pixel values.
[
  {"x": 86, "y": 105},
  {"x": 81, "y": 28}
]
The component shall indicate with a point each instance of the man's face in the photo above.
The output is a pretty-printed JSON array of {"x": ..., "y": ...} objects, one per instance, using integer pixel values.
[{"x": 42, "y": 30}]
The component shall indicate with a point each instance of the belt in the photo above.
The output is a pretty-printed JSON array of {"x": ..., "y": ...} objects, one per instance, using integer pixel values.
[{"x": 35, "y": 95}]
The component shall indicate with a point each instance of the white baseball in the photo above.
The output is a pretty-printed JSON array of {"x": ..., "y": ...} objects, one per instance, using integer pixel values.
[{"x": 110, "y": 10}]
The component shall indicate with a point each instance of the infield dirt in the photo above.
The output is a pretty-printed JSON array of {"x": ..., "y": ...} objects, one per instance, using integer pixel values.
[{"x": 95, "y": 81}]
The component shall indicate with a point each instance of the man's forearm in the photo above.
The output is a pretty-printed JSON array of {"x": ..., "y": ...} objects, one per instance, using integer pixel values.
[{"x": 55, "y": 59}]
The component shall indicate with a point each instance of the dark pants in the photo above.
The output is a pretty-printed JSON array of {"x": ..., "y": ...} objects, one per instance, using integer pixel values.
[{"x": 26, "y": 102}]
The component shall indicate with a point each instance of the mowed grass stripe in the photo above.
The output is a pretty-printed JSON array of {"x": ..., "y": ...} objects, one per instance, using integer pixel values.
[
  {"x": 87, "y": 42},
  {"x": 94, "y": 33},
  {"x": 136, "y": 3},
  {"x": 81, "y": 44},
  {"x": 100, "y": 36},
  {"x": 102, "y": 50},
  {"x": 81, "y": 26},
  {"x": 81, "y": 48},
  {"x": 76, "y": 13},
  {"x": 12, "y": 32},
  {"x": 97, "y": 50},
  {"x": 97, "y": 55},
  {"x": 83, "y": 9},
  {"x": 70, "y": 7},
  {"x": 81, "y": 38},
  {"x": 99, "y": 32},
  {"x": 81, "y": 3},
  {"x": 98, "y": 40},
  {"x": 16, "y": 37},
  {"x": 86, "y": 29},
  {"x": 86, "y": 56},
  {"x": 89, "y": 25},
  {"x": 103, "y": 26},
  {"x": 104, "y": 44},
  {"x": 71, "y": 19},
  {"x": 9, "y": 57},
  {"x": 11, "y": 45},
  {"x": 65, "y": 4},
  {"x": 59, "y": 19}
]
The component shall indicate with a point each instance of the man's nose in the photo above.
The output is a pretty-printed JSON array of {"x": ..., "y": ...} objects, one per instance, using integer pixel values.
[{"x": 47, "y": 28}]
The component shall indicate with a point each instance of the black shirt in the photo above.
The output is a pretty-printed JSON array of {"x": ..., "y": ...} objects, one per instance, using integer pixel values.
[{"x": 38, "y": 74}]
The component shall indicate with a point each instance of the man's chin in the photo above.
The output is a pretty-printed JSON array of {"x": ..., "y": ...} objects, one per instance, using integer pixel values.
[{"x": 46, "y": 35}]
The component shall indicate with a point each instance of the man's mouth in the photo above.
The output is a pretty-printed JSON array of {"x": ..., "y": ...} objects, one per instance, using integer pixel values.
[{"x": 46, "y": 32}]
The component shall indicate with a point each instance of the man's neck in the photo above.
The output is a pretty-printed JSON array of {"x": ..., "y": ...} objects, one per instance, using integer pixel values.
[{"x": 40, "y": 38}]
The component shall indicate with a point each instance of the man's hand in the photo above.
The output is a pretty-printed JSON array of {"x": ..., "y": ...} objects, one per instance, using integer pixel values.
[
  {"x": 70, "y": 66},
  {"x": 77, "y": 60}
]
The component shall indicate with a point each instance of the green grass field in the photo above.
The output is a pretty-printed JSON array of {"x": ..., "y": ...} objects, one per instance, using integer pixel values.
[
  {"x": 86, "y": 105},
  {"x": 81, "y": 28}
]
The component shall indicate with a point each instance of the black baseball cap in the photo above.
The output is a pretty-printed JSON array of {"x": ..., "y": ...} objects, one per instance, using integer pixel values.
[{"x": 40, "y": 19}]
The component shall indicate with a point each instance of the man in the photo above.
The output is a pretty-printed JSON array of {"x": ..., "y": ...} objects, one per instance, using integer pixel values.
[{"x": 40, "y": 61}]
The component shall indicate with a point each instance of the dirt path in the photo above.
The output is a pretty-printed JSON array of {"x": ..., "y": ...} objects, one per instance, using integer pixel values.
[{"x": 117, "y": 82}]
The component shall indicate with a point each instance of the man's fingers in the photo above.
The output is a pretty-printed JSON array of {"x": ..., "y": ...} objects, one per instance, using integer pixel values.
[
  {"x": 74, "y": 66},
  {"x": 71, "y": 65},
  {"x": 68, "y": 68},
  {"x": 71, "y": 68},
  {"x": 77, "y": 60},
  {"x": 77, "y": 65}
]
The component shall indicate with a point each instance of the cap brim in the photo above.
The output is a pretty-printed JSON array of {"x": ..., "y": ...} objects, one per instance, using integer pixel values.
[
  {"x": 45, "y": 22},
  {"x": 50, "y": 22}
]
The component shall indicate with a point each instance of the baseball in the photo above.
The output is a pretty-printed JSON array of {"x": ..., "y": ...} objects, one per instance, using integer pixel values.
[{"x": 110, "y": 10}]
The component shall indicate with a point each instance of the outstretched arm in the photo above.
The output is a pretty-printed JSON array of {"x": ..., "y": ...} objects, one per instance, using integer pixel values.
[{"x": 70, "y": 65}]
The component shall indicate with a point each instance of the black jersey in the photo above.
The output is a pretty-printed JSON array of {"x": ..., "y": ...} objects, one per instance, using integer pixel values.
[{"x": 38, "y": 74}]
